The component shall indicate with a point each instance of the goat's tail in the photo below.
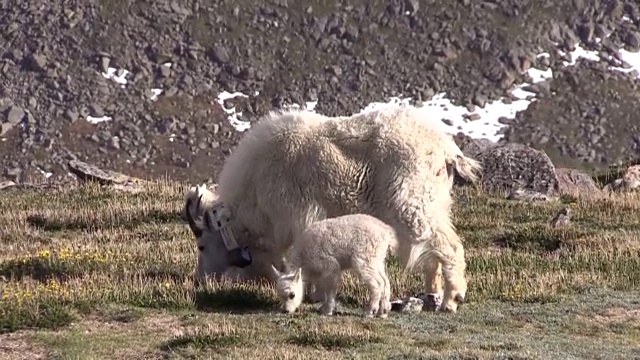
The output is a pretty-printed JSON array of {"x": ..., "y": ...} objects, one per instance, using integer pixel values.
[{"x": 466, "y": 167}]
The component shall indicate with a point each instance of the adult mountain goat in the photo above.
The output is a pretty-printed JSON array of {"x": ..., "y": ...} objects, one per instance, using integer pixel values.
[{"x": 297, "y": 167}]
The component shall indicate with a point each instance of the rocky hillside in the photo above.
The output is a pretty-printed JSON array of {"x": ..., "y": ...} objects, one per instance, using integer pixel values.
[{"x": 343, "y": 54}]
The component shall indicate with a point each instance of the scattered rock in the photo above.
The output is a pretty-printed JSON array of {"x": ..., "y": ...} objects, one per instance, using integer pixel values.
[
  {"x": 104, "y": 64},
  {"x": 629, "y": 181},
  {"x": 220, "y": 54},
  {"x": 37, "y": 62},
  {"x": 472, "y": 147},
  {"x": 576, "y": 183},
  {"x": 71, "y": 115},
  {"x": 527, "y": 195},
  {"x": 5, "y": 128},
  {"x": 408, "y": 304},
  {"x": 96, "y": 110},
  {"x": 86, "y": 172},
  {"x": 13, "y": 174},
  {"x": 421, "y": 302},
  {"x": 279, "y": 55},
  {"x": 516, "y": 166},
  {"x": 431, "y": 302},
  {"x": 15, "y": 115},
  {"x": 6, "y": 184}
]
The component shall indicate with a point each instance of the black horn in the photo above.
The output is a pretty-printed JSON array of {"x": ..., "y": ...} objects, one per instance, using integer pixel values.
[{"x": 192, "y": 224}]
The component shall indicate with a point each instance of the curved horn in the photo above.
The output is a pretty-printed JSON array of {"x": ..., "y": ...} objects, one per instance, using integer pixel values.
[{"x": 192, "y": 224}]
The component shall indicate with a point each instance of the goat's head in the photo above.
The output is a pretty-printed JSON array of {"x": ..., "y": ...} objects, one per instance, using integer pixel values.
[{"x": 290, "y": 289}]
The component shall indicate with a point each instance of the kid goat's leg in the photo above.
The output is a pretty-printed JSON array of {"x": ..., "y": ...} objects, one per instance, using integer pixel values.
[
  {"x": 328, "y": 285},
  {"x": 375, "y": 284},
  {"x": 385, "y": 301}
]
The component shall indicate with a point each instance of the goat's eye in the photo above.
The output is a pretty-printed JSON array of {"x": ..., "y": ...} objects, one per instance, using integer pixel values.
[
  {"x": 292, "y": 296},
  {"x": 201, "y": 248}
]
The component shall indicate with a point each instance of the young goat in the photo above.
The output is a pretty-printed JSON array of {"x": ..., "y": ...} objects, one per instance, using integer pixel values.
[{"x": 327, "y": 248}]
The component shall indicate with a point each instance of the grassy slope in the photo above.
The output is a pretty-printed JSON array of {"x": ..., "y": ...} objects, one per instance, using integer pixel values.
[{"x": 90, "y": 273}]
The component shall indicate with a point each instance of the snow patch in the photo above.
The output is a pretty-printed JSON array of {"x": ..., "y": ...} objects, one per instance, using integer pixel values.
[
  {"x": 232, "y": 114},
  {"x": 155, "y": 93},
  {"x": 119, "y": 76},
  {"x": 96, "y": 120}
]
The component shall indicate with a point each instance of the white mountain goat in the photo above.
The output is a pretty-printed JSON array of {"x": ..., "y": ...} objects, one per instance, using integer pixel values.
[
  {"x": 297, "y": 167},
  {"x": 325, "y": 249}
]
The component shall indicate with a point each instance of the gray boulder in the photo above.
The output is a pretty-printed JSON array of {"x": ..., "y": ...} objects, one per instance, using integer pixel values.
[
  {"x": 515, "y": 166},
  {"x": 576, "y": 183}
]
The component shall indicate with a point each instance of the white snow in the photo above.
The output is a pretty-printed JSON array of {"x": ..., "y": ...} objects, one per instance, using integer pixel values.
[
  {"x": 233, "y": 114},
  {"x": 309, "y": 105},
  {"x": 112, "y": 74},
  {"x": 155, "y": 94},
  {"x": 95, "y": 120},
  {"x": 46, "y": 174}
]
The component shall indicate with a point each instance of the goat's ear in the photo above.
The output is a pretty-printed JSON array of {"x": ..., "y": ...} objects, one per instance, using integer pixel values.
[
  {"x": 276, "y": 271},
  {"x": 298, "y": 275}
]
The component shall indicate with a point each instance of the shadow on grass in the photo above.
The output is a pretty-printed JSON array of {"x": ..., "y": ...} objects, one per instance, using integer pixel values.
[
  {"x": 165, "y": 274},
  {"x": 204, "y": 341},
  {"x": 53, "y": 224},
  {"x": 235, "y": 299},
  {"x": 37, "y": 269},
  {"x": 330, "y": 341},
  {"x": 44, "y": 316},
  {"x": 43, "y": 269},
  {"x": 124, "y": 315},
  {"x": 538, "y": 238},
  {"x": 438, "y": 344}
]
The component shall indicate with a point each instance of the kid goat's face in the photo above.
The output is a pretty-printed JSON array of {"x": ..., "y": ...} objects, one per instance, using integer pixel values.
[{"x": 290, "y": 290}]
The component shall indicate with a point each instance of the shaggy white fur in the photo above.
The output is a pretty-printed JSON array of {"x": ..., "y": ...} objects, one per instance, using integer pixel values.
[
  {"x": 327, "y": 248},
  {"x": 294, "y": 168}
]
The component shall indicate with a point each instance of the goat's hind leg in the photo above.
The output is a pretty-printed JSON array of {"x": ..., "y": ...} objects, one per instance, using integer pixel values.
[{"x": 375, "y": 285}]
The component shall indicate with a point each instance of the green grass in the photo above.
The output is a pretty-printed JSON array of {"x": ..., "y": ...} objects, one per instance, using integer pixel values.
[{"x": 98, "y": 274}]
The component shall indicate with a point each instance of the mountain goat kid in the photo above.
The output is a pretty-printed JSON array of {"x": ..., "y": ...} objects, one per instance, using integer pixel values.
[{"x": 325, "y": 249}]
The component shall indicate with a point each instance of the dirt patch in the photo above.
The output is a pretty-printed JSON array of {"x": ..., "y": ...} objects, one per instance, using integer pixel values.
[
  {"x": 17, "y": 345},
  {"x": 618, "y": 315}
]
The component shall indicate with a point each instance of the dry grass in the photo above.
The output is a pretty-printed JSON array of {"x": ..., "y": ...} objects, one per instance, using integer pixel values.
[{"x": 93, "y": 273}]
